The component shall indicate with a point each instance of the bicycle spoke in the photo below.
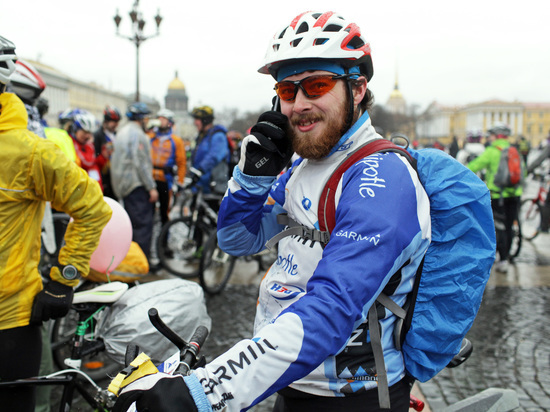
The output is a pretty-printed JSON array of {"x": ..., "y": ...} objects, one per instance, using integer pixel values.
[
  {"x": 179, "y": 247},
  {"x": 216, "y": 266}
]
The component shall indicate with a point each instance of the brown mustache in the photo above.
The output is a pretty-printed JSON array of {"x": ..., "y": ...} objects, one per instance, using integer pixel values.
[{"x": 296, "y": 119}]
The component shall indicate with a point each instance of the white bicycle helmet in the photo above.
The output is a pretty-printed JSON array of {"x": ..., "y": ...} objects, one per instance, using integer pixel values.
[
  {"x": 7, "y": 61},
  {"x": 83, "y": 120},
  {"x": 169, "y": 114},
  {"x": 315, "y": 35},
  {"x": 26, "y": 82},
  {"x": 500, "y": 128}
]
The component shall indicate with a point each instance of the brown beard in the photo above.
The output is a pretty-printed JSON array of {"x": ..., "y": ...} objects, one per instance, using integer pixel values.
[{"x": 301, "y": 142}]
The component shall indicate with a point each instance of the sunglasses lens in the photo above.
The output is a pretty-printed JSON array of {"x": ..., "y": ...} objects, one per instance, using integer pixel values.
[
  {"x": 314, "y": 87},
  {"x": 286, "y": 90},
  {"x": 317, "y": 86}
]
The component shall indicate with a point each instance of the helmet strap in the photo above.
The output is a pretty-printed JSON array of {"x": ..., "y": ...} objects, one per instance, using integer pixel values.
[{"x": 351, "y": 110}]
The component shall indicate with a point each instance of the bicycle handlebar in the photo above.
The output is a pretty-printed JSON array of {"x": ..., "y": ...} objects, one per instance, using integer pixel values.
[
  {"x": 165, "y": 330},
  {"x": 189, "y": 356},
  {"x": 188, "y": 351}
]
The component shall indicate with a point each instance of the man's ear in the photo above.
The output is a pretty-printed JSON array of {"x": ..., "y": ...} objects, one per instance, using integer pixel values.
[{"x": 359, "y": 90}]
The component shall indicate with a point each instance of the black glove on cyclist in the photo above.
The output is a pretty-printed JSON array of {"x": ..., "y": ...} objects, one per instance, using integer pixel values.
[
  {"x": 157, "y": 393},
  {"x": 195, "y": 175},
  {"x": 52, "y": 302},
  {"x": 267, "y": 150}
]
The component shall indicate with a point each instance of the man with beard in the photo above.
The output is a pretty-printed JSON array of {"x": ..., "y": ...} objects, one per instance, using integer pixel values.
[{"x": 311, "y": 342}]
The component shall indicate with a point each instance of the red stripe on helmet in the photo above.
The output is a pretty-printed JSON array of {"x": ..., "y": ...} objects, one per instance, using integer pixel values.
[
  {"x": 41, "y": 82},
  {"x": 323, "y": 19},
  {"x": 354, "y": 30},
  {"x": 297, "y": 19}
]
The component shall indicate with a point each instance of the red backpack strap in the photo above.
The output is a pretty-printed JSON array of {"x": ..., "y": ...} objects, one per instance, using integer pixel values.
[{"x": 327, "y": 208}]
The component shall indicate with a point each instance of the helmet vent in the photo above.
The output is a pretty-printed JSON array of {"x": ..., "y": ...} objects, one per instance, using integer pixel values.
[
  {"x": 316, "y": 15},
  {"x": 304, "y": 27},
  {"x": 333, "y": 28},
  {"x": 295, "y": 43},
  {"x": 356, "y": 43},
  {"x": 282, "y": 33},
  {"x": 276, "y": 47},
  {"x": 319, "y": 42}
]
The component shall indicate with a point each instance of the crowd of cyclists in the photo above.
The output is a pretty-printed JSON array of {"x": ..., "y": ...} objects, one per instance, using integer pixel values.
[
  {"x": 138, "y": 164},
  {"x": 81, "y": 160},
  {"x": 164, "y": 162}
]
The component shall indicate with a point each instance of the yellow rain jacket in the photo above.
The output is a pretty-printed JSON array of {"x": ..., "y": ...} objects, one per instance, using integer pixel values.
[{"x": 34, "y": 170}]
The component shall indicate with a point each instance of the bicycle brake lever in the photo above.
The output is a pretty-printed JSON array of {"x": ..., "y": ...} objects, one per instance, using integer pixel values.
[{"x": 165, "y": 330}]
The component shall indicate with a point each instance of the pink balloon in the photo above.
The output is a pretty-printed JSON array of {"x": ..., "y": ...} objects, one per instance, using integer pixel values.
[{"x": 115, "y": 240}]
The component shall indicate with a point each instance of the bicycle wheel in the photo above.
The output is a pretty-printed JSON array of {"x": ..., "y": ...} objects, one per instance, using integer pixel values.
[
  {"x": 179, "y": 247},
  {"x": 216, "y": 266},
  {"x": 97, "y": 365},
  {"x": 517, "y": 237},
  {"x": 530, "y": 216}
]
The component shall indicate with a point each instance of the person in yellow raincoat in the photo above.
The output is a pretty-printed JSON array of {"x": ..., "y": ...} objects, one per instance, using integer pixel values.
[{"x": 34, "y": 170}]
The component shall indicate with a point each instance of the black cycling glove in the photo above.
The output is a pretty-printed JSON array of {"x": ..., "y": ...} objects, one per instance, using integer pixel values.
[
  {"x": 157, "y": 393},
  {"x": 52, "y": 302},
  {"x": 267, "y": 150}
]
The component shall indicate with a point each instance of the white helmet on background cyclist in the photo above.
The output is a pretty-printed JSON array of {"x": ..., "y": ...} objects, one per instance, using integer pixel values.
[
  {"x": 313, "y": 36},
  {"x": 7, "y": 61},
  {"x": 474, "y": 136},
  {"x": 83, "y": 120},
  {"x": 167, "y": 114},
  {"x": 500, "y": 129},
  {"x": 26, "y": 82}
]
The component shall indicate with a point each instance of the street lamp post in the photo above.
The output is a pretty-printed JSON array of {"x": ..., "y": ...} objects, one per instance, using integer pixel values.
[{"x": 137, "y": 36}]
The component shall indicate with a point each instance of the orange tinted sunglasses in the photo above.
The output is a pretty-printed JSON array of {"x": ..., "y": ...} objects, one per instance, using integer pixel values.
[{"x": 312, "y": 86}]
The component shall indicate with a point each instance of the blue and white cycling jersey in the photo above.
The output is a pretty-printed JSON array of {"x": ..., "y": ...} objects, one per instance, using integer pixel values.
[{"x": 310, "y": 330}]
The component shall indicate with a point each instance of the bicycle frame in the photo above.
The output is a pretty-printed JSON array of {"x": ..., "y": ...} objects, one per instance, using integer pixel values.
[
  {"x": 97, "y": 401},
  {"x": 87, "y": 304}
]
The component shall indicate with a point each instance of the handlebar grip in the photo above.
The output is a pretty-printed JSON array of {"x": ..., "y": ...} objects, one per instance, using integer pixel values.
[
  {"x": 165, "y": 330},
  {"x": 199, "y": 337},
  {"x": 189, "y": 356},
  {"x": 416, "y": 403}
]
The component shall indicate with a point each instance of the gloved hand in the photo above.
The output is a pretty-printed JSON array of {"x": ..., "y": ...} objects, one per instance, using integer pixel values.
[
  {"x": 158, "y": 392},
  {"x": 195, "y": 175},
  {"x": 52, "y": 302},
  {"x": 267, "y": 150}
]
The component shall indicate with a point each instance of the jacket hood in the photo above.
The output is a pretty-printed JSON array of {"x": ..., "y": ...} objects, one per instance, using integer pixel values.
[{"x": 12, "y": 112}]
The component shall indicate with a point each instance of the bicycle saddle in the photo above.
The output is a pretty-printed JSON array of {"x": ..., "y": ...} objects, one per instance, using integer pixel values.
[{"x": 104, "y": 293}]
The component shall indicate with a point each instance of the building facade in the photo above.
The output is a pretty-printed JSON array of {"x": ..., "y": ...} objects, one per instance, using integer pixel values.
[
  {"x": 64, "y": 92},
  {"x": 441, "y": 123}
]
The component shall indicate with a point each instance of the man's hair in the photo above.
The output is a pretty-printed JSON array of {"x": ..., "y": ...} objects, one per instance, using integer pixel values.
[{"x": 368, "y": 100}]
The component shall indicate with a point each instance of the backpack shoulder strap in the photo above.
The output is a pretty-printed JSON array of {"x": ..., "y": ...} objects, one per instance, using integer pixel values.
[{"x": 327, "y": 207}]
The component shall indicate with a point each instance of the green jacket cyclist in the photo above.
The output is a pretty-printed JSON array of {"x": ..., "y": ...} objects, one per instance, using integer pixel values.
[{"x": 504, "y": 201}]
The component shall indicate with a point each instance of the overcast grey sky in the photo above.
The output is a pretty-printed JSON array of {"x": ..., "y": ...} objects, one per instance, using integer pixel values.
[{"x": 454, "y": 52}]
